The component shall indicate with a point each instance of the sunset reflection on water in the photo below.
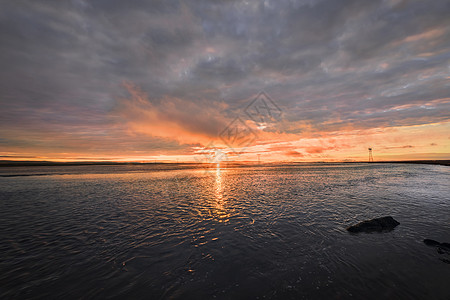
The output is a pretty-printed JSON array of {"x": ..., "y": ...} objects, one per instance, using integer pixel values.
[{"x": 220, "y": 210}]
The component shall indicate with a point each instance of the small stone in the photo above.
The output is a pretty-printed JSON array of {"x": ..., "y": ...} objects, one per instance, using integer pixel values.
[
  {"x": 442, "y": 247},
  {"x": 447, "y": 261},
  {"x": 432, "y": 243},
  {"x": 445, "y": 246},
  {"x": 375, "y": 225}
]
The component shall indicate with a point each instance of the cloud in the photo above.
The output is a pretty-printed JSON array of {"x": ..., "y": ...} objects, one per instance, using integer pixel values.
[
  {"x": 316, "y": 150},
  {"x": 191, "y": 67},
  {"x": 173, "y": 118},
  {"x": 294, "y": 153},
  {"x": 400, "y": 147}
]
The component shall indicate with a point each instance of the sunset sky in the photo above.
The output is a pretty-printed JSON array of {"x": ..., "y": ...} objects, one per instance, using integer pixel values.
[{"x": 172, "y": 80}]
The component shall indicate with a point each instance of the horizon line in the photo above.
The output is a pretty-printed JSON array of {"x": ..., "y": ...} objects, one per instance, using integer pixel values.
[{"x": 5, "y": 163}]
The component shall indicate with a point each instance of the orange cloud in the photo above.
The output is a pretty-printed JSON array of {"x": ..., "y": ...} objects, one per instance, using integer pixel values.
[
  {"x": 294, "y": 153},
  {"x": 173, "y": 118},
  {"x": 430, "y": 34}
]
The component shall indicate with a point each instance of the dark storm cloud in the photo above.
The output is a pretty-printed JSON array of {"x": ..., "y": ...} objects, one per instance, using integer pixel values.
[{"x": 328, "y": 63}]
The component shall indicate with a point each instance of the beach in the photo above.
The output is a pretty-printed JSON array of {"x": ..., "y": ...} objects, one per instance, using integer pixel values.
[{"x": 274, "y": 231}]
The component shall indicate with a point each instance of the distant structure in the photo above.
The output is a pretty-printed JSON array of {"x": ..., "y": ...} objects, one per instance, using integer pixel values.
[
  {"x": 370, "y": 155},
  {"x": 259, "y": 159}
]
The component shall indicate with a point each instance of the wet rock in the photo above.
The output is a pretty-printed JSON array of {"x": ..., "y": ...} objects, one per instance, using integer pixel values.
[
  {"x": 375, "y": 225},
  {"x": 447, "y": 261},
  {"x": 431, "y": 243},
  {"x": 445, "y": 246},
  {"x": 441, "y": 247}
]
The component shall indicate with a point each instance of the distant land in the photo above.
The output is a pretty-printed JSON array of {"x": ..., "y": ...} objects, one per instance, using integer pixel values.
[
  {"x": 12, "y": 163},
  {"x": 427, "y": 162}
]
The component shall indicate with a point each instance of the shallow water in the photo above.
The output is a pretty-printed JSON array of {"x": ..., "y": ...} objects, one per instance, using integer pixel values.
[{"x": 183, "y": 232}]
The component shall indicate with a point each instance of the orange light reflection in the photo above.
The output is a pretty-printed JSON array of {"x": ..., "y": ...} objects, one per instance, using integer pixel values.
[{"x": 220, "y": 206}]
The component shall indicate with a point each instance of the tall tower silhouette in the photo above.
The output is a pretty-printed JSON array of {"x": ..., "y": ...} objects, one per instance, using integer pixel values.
[{"x": 370, "y": 155}]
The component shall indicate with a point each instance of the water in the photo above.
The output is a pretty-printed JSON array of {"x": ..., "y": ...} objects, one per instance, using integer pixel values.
[{"x": 181, "y": 232}]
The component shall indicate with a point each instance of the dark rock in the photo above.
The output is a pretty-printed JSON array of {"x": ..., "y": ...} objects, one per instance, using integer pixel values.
[
  {"x": 375, "y": 225},
  {"x": 431, "y": 243},
  {"x": 447, "y": 261},
  {"x": 441, "y": 247},
  {"x": 445, "y": 246}
]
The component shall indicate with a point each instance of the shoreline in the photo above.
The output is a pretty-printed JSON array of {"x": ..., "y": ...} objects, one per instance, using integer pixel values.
[{"x": 9, "y": 163}]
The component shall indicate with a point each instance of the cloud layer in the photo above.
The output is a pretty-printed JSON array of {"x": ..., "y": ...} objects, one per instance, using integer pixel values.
[{"x": 135, "y": 78}]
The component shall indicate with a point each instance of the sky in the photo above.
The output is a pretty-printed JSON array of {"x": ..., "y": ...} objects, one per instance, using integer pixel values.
[{"x": 202, "y": 81}]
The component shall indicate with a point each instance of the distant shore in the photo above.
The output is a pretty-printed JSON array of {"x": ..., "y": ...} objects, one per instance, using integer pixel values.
[
  {"x": 426, "y": 162},
  {"x": 10, "y": 163}
]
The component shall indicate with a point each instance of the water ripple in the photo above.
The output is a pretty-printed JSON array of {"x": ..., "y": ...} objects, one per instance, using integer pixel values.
[{"x": 274, "y": 231}]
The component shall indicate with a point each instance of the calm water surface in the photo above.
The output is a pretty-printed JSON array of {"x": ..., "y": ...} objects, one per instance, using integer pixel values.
[{"x": 181, "y": 232}]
